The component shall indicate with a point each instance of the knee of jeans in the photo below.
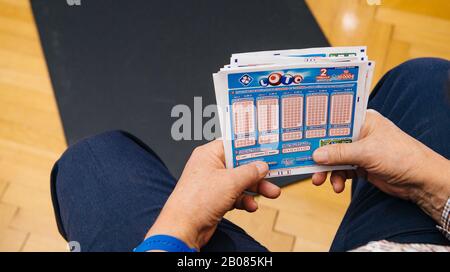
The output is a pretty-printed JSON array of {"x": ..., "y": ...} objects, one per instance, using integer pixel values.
[
  {"x": 81, "y": 152},
  {"x": 423, "y": 68},
  {"x": 431, "y": 74},
  {"x": 68, "y": 171},
  {"x": 73, "y": 169},
  {"x": 421, "y": 65},
  {"x": 111, "y": 144},
  {"x": 80, "y": 147}
]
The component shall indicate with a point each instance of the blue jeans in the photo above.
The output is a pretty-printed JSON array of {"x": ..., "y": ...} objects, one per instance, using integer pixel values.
[{"x": 108, "y": 189}]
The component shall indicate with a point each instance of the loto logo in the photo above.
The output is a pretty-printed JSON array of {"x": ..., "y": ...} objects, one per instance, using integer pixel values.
[{"x": 275, "y": 79}]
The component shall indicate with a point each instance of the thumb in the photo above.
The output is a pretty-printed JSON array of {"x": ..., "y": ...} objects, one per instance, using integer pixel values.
[
  {"x": 247, "y": 175},
  {"x": 336, "y": 154}
]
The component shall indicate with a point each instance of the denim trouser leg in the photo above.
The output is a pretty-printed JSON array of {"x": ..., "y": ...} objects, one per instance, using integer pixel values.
[
  {"x": 416, "y": 97},
  {"x": 107, "y": 191}
]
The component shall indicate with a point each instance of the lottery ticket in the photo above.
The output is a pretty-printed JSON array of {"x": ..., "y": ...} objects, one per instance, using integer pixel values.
[{"x": 280, "y": 106}]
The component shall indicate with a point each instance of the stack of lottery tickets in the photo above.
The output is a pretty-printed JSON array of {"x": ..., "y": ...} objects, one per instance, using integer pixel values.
[{"x": 280, "y": 106}]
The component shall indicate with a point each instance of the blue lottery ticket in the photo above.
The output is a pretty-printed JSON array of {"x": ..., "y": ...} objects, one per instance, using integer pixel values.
[{"x": 280, "y": 106}]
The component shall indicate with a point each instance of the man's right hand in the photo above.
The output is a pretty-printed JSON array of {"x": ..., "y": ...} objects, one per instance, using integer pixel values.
[{"x": 393, "y": 161}]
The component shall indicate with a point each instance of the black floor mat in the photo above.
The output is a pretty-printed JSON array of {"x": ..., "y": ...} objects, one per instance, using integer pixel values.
[{"x": 121, "y": 64}]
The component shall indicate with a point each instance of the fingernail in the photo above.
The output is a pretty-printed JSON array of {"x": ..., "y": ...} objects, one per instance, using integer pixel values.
[
  {"x": 320, "y": 156},
  {"x": 262, "y": 167}
]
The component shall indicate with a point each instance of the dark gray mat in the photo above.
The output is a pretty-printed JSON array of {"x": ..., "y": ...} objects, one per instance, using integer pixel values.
[{"x": 123, "y": 64}]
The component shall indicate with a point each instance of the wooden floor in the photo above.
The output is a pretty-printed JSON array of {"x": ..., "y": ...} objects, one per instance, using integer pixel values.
[{"x": 304, "y": 218}]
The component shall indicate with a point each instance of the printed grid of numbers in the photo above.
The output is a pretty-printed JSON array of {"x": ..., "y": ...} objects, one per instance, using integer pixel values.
[
  {"x": 316, "y": 110},
  {"x": 290, "y": 136},
  {"x": 315, "y": 133},
  {"x": 339, "y": 131},
  {"x": 341, "y": 113},
  {"x": 341, "y": 108},
  {"x": 267, "y": 114},
  {"x": 292, "y": 116},
  {"x": 292, "y": 109},
  {"x": 316, "y": 114},
  {"x": 244, "y": 122},
  {"x": 267, "y": 119}
]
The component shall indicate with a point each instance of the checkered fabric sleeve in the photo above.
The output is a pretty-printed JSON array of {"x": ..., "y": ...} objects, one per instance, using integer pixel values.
[{"x": 445, "y": 220}]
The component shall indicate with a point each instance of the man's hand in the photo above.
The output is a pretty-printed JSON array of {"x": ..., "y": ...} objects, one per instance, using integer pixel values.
[
  {"x": 206, "y": 191},
  {"x": 393, "y": 161}
]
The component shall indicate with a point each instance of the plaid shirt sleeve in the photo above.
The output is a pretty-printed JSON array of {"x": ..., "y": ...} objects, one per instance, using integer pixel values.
[{"x": 445, "y": 220}]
